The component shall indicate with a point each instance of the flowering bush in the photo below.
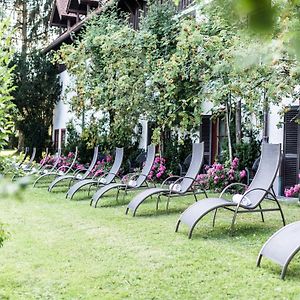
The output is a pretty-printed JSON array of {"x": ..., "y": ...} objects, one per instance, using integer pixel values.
[
  {"x": 293, "y": 191},
  {"x": 100, "y": 168},
  {"x": 218, "y": 176},
  {"x": 158, "y": 169}
]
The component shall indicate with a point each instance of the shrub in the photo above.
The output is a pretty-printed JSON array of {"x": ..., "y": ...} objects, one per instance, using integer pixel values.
[
  {"x": 158, "y": 170},
  {"x": 294, "y": 190},
  {"x": 218, "y": 176}
]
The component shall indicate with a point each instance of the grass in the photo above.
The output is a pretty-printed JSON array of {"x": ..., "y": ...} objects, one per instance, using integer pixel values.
[{"x": 61, "y": 249}]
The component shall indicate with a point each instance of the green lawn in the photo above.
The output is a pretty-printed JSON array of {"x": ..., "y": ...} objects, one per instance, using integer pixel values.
[{"x": 61, "y": 249}]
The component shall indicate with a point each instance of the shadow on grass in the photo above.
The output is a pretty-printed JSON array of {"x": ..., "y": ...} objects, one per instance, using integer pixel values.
[{"x": 223, "y": 231}]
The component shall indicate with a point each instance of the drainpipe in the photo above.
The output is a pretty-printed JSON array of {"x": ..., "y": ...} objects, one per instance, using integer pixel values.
[{"x": 265, "y": 137}]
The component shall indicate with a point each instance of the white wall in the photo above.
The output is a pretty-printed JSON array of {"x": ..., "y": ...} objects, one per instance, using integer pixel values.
[{"x": 61, "y": 113}]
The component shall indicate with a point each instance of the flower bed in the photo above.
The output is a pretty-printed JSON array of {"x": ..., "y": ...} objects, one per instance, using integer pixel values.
[{"x": 218, "y": 176}]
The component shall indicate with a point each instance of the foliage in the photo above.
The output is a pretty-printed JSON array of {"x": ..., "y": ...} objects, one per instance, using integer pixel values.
[
  {"x": 37, "y": 91},
  {"x": 6, "y": 83},
  {"x": 218, "y": 176},
  {"x": 30, "y": 22},
  {"x": 171, "y": 67},
  {"x": 175, "y": 152},
  {"x": 127, "y": 74},
  {"x": 247, "y": 152},
  {"x": 292, "y": 191},
  {"x": 102, "y": 166},
  {"x": 158, "y": 170}
]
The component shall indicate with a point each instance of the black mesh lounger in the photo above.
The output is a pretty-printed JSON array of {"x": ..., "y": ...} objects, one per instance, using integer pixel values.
[
  {"x": 282, "y": 246},
  {"x": 103, "y": 180},
  {"x": 62, "y": 170},
  {"x": 76, "y": 175},
  {"x": 261, "y": 188},
  {"x": 183, "y": 185},
  {"x": 140, "y": 182}
]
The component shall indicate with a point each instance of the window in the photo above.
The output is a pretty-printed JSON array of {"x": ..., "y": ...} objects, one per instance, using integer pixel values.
[
  {"x": 56, "y": 135},
  {"x": 62, "y": 138}
]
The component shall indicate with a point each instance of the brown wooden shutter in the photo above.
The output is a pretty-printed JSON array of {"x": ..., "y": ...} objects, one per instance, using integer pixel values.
[{"x": 290, "y": 149}]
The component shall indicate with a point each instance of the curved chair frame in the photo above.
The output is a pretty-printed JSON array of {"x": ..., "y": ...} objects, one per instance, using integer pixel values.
[
  {"x": 188, "y": 186},
  {"x": 192, "y": 215},
  {"x": 109, "y": 176},
  {"x": 141, "y": 180},
  {"x": 75, "y": 175},
  {"x": 288, "y": 258},
  {"x": 53, "y": 169}
]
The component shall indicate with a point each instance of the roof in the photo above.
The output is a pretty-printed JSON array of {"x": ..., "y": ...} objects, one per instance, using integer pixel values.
[
  {"x": 81, "y": 6},
  {"x": 67, "y": 36},
  {"x": 59, "y": 16}
]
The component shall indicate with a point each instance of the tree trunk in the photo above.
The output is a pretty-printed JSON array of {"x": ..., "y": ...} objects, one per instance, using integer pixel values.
[
  {"x": 24, "y": 27},
  {"x": 238, "y": 122},
  {"x": 228, "y": 129},
  {"x": 21, "y": 141}
]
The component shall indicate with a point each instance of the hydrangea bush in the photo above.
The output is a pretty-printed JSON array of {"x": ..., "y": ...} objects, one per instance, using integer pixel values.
[
  {"x": 101, "y": 167},
  {"x": 218, "y": 176},
  {"x": 293, "y": 191},
  {"x": 158, "y": 170}
]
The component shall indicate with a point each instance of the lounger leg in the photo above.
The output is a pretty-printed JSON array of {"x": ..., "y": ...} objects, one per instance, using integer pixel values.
[
  {"x": 234, "y": 218},
  {"x": 195, "y": 195},
  {"x": 283, "y": 271},
  {"x": 258, "y": 260},
  {"x": 124, "y": 194},
  {"x": 157, "y": 201},
  {"x": 168, "y": 202},
  {"x": 177, "y": 225},
  {"x": 89, "y": 192},
  {"x": 117, "y": 196},
  {"x": 214, "y": 218},
  {"x": 281, "y": 212},
  {"x": 261, "y": 213}
]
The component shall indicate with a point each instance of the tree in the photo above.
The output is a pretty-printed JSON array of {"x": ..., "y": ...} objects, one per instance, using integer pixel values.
[
  {"x": 37, "y": 91},
  {"x": 30, "y": 22},
  {"x": 6, "y": 83}
]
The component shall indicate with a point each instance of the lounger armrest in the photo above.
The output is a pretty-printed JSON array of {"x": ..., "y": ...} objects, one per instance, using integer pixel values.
[
  {"x": 134, "y": 176},
  {"x": 99, "y": 177},
  {"x": 80, "y": 170},
  {"x": 170, "y": 177},
  {"x": 231, "y": 185},
  {"x": 259, "y": 189},
  {"x": 48, "y": 166},
  {"x": 180, "y": 179},
  {"x": 64, "y": 167}
]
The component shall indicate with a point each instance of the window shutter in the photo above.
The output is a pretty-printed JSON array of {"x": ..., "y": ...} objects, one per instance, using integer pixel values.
[
  {"x": 205, "y": 133},
  {"x": 290, "y": 161}
]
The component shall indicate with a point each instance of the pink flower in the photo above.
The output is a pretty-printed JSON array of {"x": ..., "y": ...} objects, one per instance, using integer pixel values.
[
  {"x": 157, "y": 159},
  {"x": 243, "y": 174},
  {"x": 158, "y": 175},
  {"x": 235, "y": 163}
]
